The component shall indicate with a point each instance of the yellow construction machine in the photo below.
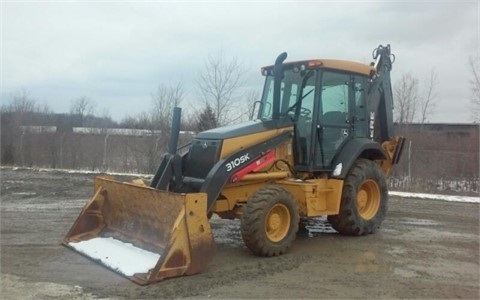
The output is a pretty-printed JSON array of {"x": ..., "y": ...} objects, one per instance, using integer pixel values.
[{"x": 322, "y": 145}]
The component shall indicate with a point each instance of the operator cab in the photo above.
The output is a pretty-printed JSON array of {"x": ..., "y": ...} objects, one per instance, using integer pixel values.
[{"x": 326, "y": 100}]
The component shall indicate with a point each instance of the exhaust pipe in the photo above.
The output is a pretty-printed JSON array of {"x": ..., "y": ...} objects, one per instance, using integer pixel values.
[
  {"x": 278, "y": 73},
  {"x": 175, "y": 131}
]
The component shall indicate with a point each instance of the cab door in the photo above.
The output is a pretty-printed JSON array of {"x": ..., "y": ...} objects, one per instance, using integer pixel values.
[{"x": 334, "y": 115}]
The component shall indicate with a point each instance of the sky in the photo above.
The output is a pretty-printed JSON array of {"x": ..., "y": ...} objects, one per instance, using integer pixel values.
[{"x": 117, "y": 53}]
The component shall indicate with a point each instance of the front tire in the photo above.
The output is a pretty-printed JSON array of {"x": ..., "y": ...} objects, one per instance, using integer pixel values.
[
  {"x": 364, "y": 200},
  {"x": 270, "y": 221}
]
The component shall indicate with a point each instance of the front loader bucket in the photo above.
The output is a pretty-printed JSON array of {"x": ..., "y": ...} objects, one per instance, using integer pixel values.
[{"x": 143, "y": 233}]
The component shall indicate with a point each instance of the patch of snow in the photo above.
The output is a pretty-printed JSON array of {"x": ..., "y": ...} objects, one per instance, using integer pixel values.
[
  {"x": 25, "y": 193},
  {"x": 80, "y": 171},
  {"x": 436, "y": 197},
  {"x": 419, "y": 222},
  {"x": 123, "y": 257}
]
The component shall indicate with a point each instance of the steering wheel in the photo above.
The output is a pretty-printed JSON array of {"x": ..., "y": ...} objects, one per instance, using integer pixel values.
[{"x": 305, "y": 112}]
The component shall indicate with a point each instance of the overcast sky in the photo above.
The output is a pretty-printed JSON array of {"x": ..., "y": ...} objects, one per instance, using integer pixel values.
[{"x": 117, "y": 53}]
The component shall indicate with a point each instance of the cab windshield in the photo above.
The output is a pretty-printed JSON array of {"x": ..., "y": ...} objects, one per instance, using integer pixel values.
[{"x": 296, "y": 94}]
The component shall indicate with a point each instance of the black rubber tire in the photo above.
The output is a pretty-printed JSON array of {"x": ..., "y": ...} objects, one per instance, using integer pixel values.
[
  {"x": 350, "y": 221},
  {"x": 254, "y": 227}
]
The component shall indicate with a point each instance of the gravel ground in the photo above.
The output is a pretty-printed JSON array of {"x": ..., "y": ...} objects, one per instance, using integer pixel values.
[{"x": 425, "y": 249}]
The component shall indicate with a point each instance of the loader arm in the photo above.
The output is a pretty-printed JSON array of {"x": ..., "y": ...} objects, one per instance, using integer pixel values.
[{"x": 218, "y": 177}]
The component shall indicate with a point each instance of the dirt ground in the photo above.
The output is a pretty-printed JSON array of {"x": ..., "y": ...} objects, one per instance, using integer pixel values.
[{"x": 426, "y": 249}]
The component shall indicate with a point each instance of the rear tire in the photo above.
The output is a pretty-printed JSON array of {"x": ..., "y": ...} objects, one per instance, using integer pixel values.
[
  {"x": 270, "y": 221},
  {"x": 364, "y": 200}
]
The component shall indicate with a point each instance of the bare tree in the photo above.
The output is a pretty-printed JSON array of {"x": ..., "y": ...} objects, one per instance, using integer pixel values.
[
  {"x": 405, "y": 95},
  {"x": 474, "y": 65},
  {"x": 82, "y": 107},
  {"x": 219, "y": 83},
  {"x": 163, "y": 101},
  {"x": 17, "y": 112},
  {"x": 253, "y": 105},
  {"x": 428, "y": 101},
  {"x": 21, "y": 103},
  {"x": 158, "y": 118}
]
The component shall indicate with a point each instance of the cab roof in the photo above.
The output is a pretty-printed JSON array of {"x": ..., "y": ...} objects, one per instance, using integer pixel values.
[{"x": 336, "y": 64}]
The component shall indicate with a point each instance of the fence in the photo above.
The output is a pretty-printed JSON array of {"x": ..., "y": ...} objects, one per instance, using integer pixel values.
[
  {"x": 433, "y": 171},
  {"x": 424, "y": 167},
  {"x": 135, "y": 151}
]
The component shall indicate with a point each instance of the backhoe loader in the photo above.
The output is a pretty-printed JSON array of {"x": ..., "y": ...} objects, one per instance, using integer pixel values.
[{"x": 322, "y": 145}]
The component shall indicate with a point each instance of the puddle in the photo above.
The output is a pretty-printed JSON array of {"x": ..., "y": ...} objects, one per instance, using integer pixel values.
[
  {"x": 433, "y": 234},
  {"x": 397, "y": 250}
]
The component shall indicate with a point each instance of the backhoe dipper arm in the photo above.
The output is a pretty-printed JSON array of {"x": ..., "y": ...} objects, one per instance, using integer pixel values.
[
  {"x": 380, "y": 100},
  {"x": 380, "y": 96}
]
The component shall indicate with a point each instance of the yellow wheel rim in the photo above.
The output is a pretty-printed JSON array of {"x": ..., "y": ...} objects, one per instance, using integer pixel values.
[
  {"x": 368, "y": 199},
  {"x": 277, "y": 222}
]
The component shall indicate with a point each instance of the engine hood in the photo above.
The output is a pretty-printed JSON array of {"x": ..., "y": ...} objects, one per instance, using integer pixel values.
[{"x": 242, "y": 129}]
